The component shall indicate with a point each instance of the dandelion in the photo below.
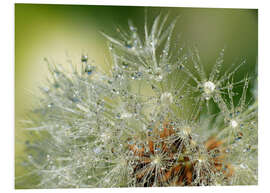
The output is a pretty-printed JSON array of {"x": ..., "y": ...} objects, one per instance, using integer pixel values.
[{"x": 127, "y": 127}]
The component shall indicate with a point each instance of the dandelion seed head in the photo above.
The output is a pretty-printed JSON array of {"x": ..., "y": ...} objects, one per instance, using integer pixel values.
[{"x": 106, "y": 130}]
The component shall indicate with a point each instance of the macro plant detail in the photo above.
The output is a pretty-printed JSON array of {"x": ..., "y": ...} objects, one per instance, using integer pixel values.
[{"x": 143, "y": 123}]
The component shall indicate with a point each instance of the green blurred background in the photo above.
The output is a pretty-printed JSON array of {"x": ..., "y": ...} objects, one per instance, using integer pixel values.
[{"x": 62, "y": 32}]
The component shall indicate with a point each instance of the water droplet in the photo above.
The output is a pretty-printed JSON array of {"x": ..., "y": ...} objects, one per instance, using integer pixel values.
[
  {"x": 153, "y": 87},
  {"x": 84, "y": 58},
  {"x": 74, "y": 99},
  {"x": 97, "y": 150},
  {"x": 50, "y": 105},
  {"x": 132, "y": 28},
  {"x": 233, "y": 123},
  {"x": 130, "y": 142},
  {"x": 157, "y": 149},
  {"x": 165, "y": 52},
  {"x": 159, "y": 78},
  {"x": 115, "y": 91},
  {"x": 243, "y": 166},
  {"x": 125, "y": 65},
  {"x": 111, "y": 47},
  {"x": 45, "y": 89},
  {"x": 239, "y": 136},
  {"x": 89, "y": 69},
  {"x": 128, "y": 44},
  {"x": 118, "y": 115},
  {"x": 248, "y": 149},
  {"x": 209, "y": 87},
  {"x": 133, "y": 76},
  {"x": 200, "y": 88}
]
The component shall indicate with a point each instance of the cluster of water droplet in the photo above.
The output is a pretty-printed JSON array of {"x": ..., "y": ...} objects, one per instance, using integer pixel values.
[{"x": 88, "y": 121}]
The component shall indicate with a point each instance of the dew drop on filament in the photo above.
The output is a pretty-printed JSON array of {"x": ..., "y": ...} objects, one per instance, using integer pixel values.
[
  {"x": 89, "y": 69},
  {"x": 84, "y": 58}
]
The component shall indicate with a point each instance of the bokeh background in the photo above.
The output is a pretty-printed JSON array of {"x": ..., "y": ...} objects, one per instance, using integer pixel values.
[{"x": 64, "y": 32}]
